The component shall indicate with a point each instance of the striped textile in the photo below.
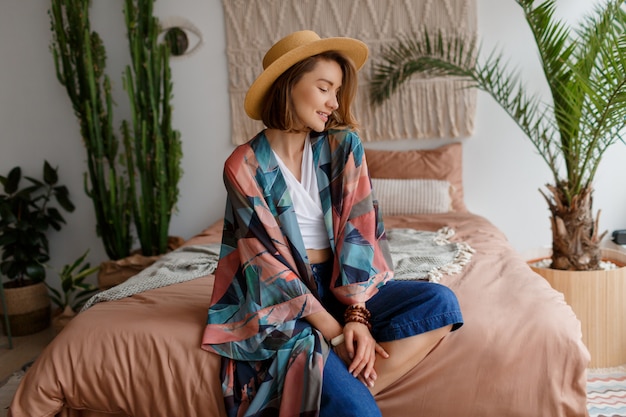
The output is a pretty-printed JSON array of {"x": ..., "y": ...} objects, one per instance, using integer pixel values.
[
  {"x": 606, "y": 392},
  {"x": 412, "y": 196}
]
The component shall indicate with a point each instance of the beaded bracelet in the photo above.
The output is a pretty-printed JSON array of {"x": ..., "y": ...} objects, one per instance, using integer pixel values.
[
  {"x": 359, "y": 314},
  {"x": 357, "y": 310}
]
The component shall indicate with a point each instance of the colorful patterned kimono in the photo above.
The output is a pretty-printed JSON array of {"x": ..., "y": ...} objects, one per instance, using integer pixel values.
[{"x": 273, "y": 359}]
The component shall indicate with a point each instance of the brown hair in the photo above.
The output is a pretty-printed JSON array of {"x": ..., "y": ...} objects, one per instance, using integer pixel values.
[{"x": 278, "y": 111}]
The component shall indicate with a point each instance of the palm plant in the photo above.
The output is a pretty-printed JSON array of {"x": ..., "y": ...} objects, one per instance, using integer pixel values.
[{"x": 585, "y": 69}]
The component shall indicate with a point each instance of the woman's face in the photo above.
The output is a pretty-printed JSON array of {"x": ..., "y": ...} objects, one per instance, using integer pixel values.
[{"x": 314, "y": 96}]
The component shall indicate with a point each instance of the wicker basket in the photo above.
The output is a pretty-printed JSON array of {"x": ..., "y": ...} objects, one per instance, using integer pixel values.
[
  {"x": 28, "y": 308},
  {"x": 597, "y": 299}
]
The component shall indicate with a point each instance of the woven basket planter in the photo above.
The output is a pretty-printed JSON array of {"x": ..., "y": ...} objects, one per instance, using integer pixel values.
[
  {"x": 28, "y": 309},
  {"x": 597, "y": 299}
]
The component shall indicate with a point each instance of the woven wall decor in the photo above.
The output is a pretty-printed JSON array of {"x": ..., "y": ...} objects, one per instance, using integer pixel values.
[{"x": 424, "y": 108}]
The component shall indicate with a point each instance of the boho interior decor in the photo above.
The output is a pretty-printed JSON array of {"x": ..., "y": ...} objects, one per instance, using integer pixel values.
[
  {"x": 132, "y": 183},
  {"x": 26, "y": 216},
  {"x": 585, "y": 70},
  {"x": 253, "y": 26},
  {"x": 585, "y": 114}
]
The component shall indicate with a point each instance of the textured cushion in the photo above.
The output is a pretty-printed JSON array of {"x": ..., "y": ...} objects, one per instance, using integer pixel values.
[
  {"x": 443, "y": 163},
  {"x": 413, "y": 196}
]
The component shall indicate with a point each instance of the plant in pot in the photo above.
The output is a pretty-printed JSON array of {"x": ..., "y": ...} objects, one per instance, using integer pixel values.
[
  {"x": 584, "y": 115},
  {"x": 74, "y": 291},
  {"x": 26, "y": 216},
  {"x": 132, "y": 182}
]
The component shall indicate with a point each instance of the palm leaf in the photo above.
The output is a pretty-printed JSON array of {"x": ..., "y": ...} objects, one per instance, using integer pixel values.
[{"x": 584, "y": 70}]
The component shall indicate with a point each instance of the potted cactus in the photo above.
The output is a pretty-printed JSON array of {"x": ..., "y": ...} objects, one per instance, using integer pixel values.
[{"x": 133, "y": 182}]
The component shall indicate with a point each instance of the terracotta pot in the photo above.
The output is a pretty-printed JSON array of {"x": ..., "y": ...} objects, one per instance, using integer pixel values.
[
  {"x": 28, "y": 309},
  {"x": 597, "y": 298},
  {"x": 61, "y": 317}
]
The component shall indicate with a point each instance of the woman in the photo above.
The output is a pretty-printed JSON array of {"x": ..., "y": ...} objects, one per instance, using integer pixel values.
[{"x": 304, "y": 311}]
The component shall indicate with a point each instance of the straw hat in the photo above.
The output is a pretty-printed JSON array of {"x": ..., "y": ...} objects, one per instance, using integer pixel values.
[{"x": 291, "y": 50}]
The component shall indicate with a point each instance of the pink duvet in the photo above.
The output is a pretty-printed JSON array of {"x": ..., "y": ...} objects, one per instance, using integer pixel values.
[{"x": 519, "y": 353}]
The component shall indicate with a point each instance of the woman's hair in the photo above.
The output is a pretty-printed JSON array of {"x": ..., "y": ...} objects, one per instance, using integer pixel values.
[{"x": 278, "y": 110}]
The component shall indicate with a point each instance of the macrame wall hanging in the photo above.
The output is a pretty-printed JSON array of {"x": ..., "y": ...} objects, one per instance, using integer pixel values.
[{"x": 423, "y": 108}]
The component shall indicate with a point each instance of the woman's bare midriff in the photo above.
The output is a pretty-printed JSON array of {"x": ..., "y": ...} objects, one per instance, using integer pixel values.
[{"x": 317, "y": 256}]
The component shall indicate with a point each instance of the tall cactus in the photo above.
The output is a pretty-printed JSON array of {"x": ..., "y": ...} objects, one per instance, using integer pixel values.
[
  {"x": 153, "y": 149},
  {"x": 146, "y": 194},
  {"x": 80, "y": 59}
]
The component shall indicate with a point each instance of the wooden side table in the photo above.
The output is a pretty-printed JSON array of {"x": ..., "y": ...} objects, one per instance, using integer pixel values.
[{"x": 598, "y": 299}]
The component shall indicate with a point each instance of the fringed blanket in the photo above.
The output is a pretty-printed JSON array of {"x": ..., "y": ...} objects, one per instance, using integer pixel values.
[
  {"x": 416, "y": 255},
  {"x": 183, "y": 264},
  {"x": 426, "y": 255}
]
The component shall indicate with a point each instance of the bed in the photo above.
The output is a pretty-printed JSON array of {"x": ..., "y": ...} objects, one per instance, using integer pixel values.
[{"x": 520, "y": 352}]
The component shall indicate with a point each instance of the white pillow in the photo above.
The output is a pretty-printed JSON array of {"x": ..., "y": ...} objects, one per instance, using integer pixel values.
[{"x": 412, "y": 196}]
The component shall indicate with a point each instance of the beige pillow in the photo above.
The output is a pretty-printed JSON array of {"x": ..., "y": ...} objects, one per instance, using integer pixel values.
[
  {"x": 412, "y": 196},
  {"x": 443, "y": 163}
]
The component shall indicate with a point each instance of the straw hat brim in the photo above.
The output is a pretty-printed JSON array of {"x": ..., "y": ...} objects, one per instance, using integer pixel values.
[{"x": 356, "y": 50}]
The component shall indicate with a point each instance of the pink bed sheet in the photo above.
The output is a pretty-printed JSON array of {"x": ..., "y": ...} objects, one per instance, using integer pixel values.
[{"x": 520, "y": 352}]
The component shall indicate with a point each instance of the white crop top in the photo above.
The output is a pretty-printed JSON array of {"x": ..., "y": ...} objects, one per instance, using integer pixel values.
[{"x": 306, "y": 200}]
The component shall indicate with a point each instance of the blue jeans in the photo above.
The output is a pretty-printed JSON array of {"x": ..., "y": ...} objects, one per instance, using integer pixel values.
[
  {"x": 400, "y": 309},
  {"x": 342, "y": 394}
]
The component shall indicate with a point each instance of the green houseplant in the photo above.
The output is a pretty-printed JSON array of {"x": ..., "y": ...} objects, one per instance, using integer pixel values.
[
  {"x": 74, "y": 290},
  {"x": 80, "y": 61},
  {"x": 585, "y": 70},
  {"x": 153, "y": 149},
  {"x": 26, "y": 216},
  {"x": 133, "y": 182}
]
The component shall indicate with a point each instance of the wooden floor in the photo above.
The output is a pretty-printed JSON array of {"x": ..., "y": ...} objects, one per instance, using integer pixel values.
[{"x": 25, "y": 349}]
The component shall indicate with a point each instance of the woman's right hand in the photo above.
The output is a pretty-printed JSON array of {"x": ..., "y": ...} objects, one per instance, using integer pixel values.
[{"x": 359, "y": 352}]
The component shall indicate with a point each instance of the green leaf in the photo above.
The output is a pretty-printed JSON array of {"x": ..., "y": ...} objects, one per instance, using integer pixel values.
[
  {"x": 12, "y": 181},
  {"x": 77, "y": 262},
  {"x": 36, "y": 271},
  {"x": 50, "y": 175},
  {"x": 61, "y": 194},
  {"x": 53, "y": 219},
  {"x": 53, "y": 290}
]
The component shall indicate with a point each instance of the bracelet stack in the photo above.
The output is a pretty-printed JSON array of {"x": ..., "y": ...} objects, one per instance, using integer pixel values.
[{"x": 359, "y": 314}]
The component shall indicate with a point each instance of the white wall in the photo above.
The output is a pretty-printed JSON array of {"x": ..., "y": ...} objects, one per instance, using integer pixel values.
[{"x": 502, "y": 172}]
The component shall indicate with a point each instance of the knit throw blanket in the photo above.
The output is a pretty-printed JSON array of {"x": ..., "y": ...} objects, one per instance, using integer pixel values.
[
  {"x": 425, "y": 107},
  {"x": 183, "y": 264},
  {"x": 415, "y": 254},
  {"x": 419, "y": 254}
]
